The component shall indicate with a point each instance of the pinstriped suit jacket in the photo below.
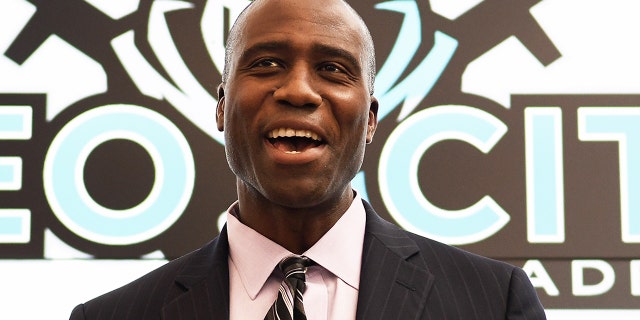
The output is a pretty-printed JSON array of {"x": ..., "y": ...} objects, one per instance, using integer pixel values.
[{"x": 404, "y": 276}]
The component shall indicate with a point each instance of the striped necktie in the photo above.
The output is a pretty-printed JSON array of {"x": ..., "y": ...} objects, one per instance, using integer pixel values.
[{"x": 288, "y": 305}]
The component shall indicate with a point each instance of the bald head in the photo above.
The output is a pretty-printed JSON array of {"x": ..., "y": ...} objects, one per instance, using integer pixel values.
[{"x": 357, "y": 23}]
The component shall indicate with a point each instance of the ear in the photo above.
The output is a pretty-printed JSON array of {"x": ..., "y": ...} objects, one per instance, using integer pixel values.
[
  {"x": 220, "y": 108},
  {"x": 373, "y": 119}
]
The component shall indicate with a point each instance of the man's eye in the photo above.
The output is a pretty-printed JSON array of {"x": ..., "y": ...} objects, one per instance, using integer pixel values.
[
  {"x": 266, "y": 63},
  {"x": 331, "y": 68}
]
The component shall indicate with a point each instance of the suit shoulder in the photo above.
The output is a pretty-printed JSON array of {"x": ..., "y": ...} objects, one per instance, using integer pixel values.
[
  {"x": 144, "y": 297},
  {"x": 446, "y": 254}
]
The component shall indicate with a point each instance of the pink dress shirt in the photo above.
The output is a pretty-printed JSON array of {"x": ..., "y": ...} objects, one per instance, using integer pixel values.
[{"x": 332, "y": 284}]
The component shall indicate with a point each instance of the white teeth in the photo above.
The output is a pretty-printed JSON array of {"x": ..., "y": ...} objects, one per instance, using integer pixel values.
[{"x": 289, "y": 132}]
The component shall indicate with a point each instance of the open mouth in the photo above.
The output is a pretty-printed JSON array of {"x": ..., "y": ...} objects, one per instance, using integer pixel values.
[{"x": 293, "y": 141}]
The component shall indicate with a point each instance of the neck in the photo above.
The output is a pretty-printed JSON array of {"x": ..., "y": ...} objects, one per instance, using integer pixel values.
[{"x": 294, "y": 228}]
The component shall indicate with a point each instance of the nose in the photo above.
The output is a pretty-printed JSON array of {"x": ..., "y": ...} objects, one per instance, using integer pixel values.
[{"x": 297, "y": 88}]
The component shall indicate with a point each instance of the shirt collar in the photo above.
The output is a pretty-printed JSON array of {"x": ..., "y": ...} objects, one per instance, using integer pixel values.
[
  {"x": 339, "y": 250},
  {"x": 253, "y": 254}
]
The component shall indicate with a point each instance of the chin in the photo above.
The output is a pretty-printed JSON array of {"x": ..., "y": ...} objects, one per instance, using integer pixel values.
[{"x": 300, "y": 197}]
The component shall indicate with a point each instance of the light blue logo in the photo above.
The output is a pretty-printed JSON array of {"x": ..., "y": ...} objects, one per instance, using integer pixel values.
[{"x": 171, "y": 191}]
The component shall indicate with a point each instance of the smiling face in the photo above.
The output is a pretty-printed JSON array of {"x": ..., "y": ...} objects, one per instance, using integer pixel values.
[{"x": 296, "y": 108}]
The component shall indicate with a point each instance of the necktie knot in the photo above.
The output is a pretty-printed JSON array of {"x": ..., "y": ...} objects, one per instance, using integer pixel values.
[
  {"x": 294, "y": 267},
  {"x": 289, "y": 305}
]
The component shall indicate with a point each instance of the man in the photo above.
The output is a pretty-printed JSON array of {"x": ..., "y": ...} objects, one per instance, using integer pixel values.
[{"x": 297, "y": 108}]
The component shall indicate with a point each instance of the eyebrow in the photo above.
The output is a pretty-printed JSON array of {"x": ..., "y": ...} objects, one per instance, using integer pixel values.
[
  {"x": 338, "y": 52},
  {"x": 323, "y": 49},
  {"x": 263, "y": 46}
]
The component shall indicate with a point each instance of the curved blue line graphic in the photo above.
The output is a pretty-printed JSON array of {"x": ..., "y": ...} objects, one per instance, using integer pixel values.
[
  {"x": 415, "y": 87},
  {"x": 399, "y": 185}
]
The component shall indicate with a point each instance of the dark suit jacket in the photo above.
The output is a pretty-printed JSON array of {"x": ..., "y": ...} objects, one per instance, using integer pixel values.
[{"x": 404, "y": 276}]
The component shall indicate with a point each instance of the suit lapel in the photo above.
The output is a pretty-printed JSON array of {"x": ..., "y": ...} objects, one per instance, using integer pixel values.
[
  {"x": 205, "y": 284},
  {"x": 394, "y": 281}
]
